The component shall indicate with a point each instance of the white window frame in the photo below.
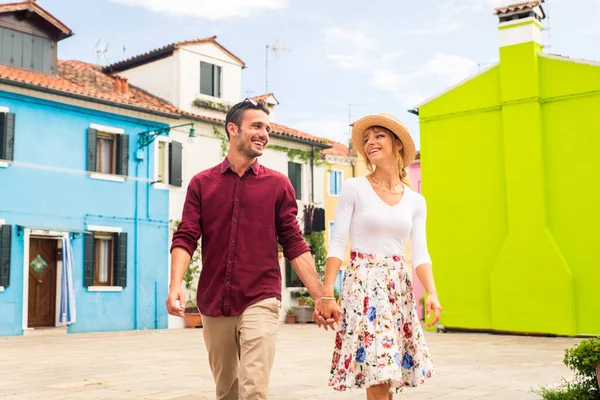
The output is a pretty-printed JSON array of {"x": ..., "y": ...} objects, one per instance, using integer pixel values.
[
  {"x": 114, "y": 131},
  {"x": 329, "y": 181},
  {"x": 208, "y": 96},
  {"x": 104, "y": 229},
  {"x": 162, "y": 185}
]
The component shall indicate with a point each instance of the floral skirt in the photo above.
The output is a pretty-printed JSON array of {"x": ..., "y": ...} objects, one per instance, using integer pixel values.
[{"x": 379, "y": 339}]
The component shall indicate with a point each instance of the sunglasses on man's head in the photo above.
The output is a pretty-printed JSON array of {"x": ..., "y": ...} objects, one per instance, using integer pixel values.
[{"x": 251, "y": 101}]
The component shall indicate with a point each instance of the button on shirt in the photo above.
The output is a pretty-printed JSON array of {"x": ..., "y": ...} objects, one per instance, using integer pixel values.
[{"x": 240, "y": 220}]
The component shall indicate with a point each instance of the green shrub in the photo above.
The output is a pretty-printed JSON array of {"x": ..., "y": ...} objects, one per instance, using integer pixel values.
[
  {"x": 583, "y": 357},
  {"x": 578, "y": 390}
]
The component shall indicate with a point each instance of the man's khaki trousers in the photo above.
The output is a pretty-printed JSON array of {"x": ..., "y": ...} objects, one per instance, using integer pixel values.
[{"x": 241, "y": 350}]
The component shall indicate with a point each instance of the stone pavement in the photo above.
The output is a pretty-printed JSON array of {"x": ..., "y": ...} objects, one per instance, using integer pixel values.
[{"x": 164, "y": 365}]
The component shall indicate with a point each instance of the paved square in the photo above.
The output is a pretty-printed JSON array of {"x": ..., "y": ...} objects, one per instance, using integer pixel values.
[{"x": 164, "y": 365}]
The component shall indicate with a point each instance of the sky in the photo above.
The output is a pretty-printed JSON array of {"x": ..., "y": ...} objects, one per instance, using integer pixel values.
[{"x": 341, "y": 59}]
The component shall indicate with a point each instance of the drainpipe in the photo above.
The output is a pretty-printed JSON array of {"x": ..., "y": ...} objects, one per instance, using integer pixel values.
[
  {"x": 135, "y": 246},
  {"x": 312, "y": 174}
]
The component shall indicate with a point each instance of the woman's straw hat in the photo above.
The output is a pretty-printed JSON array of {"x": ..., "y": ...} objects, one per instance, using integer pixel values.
[{"x": 390, "y": 122}]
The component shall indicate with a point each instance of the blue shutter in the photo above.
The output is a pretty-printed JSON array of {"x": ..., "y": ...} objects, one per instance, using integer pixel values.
[
  {"x": 122, "y": 164},
  {"x": 92, "y": 150},
  {"x": 88, "y": 260},
  {"x": 8, "y": 137},
  {"x": 120, "y": 262},
  {"x": 5, "y": 241}
]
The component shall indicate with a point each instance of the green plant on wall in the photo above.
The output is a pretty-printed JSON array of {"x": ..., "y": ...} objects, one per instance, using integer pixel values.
[
  {"x": 303, "y": 155},
  {"x": 293, "y": 154},
  {"x": 202, "y": 103},
  {"x": 316, "y": 241},
  {"x": 191, "y": 275},
  {"x": 224, "y": 140}
]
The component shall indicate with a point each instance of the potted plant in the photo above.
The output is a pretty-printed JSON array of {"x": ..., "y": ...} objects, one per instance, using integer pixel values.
[
  {"x": 290, "y": 317},
  {"x": 302, "y": 301},
  {"x": 192, "y": 316},
  {"x": 584, "y": 359}
]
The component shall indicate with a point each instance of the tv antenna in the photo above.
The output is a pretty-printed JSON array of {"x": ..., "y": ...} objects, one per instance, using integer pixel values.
[
  {"x": 275, "y": 50},
  {"x": 101, "y": 50}
]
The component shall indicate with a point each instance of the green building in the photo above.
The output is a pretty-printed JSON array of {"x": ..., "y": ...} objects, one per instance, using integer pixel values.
[{"x": 511, "y": 175}]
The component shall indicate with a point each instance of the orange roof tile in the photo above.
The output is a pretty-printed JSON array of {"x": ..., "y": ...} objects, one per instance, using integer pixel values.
[
  {"x": 294, "y": 133},
  {"x": 88, "y": 80},
  {"x": 526, "y": 5},
  {"x": 263, "y": 97},
  {"x": 337, "y": 149},
  {"x": 163, "y": 52},
  {"x": 79, "y": 78}
]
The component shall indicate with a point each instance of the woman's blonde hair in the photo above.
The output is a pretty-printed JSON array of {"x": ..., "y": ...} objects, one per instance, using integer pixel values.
[{"x": 402, "y": 172}]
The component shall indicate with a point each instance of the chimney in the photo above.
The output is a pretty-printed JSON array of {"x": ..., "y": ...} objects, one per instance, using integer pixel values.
[
  {"x": 117, "y": 84},
  {"x": 520, "y": 40},
  {"x": 520, "y": 23},
  {"x": 125, "y": 86}
]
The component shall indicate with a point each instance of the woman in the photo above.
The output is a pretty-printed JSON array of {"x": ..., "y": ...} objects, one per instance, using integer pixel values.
[{"x": 379, "y": 343}]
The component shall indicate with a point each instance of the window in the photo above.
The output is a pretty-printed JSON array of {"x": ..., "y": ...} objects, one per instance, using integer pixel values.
[
  {"x": 291, "y": 278},
  {"x": 210, "y": 79},
  {"x": 7, "y": 136},
  {"x": 108, "y": 152},
  {"x": 169, "y": 162},
  {"x": 335, "y": 182},
  {"x": 105, "y": 259},
  {"x": 331, "y": 224},
  {"x": 105, "y": 161},
  {"x": 295, "y": 175}
]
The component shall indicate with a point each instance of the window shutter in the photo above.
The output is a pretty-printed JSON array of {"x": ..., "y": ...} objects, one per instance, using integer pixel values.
[
  {"x": 175, "y": 163},
  {"x": 122, "y": 155},
  {"x": 206, "y": 78},
  {"x": 5, "y": 239},
  {"x": 295, "y": 175},
  {"x": 8, "y": 145},
  {"x": 88, "y": 260},
  {"x": 92, "y": 150},
  {"x": 217, "y": 83},
  {"x": 120, "y": 264}
]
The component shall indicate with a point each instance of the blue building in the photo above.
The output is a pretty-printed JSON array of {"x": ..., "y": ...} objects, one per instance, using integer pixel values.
[{"x": 83, "y": 229}]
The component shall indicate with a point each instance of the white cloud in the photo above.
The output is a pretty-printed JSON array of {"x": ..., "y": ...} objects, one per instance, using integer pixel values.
[
  {"x": 590, "y": 31},
  {"x": 333, "y": 127},
  {"x": 443, "y": 28},
  {"x": 363, "y": 50},
  {"x": 207, "y": 9},
  {"x": 450, "y": 67}
]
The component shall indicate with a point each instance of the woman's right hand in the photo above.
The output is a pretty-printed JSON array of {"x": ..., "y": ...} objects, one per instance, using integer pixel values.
[{"x": 329, "y": 309}]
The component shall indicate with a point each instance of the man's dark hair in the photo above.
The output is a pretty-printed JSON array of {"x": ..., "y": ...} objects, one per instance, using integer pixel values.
[{"x": 236, "y": 113}]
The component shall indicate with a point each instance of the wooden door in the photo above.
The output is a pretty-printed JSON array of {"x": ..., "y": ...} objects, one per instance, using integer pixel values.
[{"x": 42, "y": 282}]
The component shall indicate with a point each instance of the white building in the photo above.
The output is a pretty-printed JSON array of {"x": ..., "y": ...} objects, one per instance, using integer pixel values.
[{"x": 203, "y": 79}]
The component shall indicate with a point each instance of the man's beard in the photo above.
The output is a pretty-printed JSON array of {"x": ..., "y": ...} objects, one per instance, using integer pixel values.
[{"x": 246, "y": 149}]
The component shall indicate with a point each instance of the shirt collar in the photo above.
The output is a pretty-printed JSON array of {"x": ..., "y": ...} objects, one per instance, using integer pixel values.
[{"x": 255, "y": 167}]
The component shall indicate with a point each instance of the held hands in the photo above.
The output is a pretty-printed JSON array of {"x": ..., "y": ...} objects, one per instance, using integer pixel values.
[
  {"x": 327, "y": 313},
  {"x": 433, "y": 304}
]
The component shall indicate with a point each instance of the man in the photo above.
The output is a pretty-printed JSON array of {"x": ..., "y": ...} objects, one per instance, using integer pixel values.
[{"x": 241, "y": 210}]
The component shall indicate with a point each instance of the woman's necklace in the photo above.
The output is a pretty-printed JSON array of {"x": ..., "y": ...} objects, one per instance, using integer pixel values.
[{"x": 384, "y": 186}]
